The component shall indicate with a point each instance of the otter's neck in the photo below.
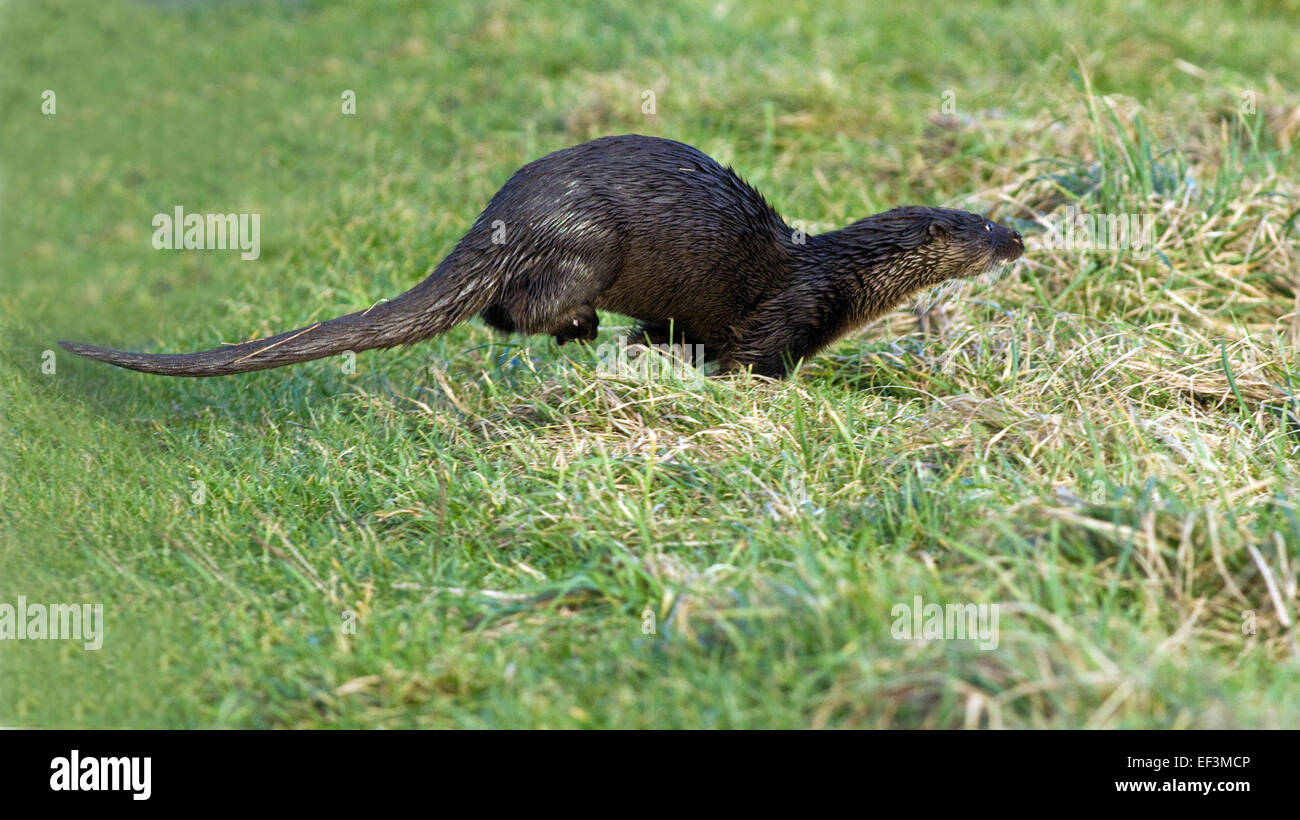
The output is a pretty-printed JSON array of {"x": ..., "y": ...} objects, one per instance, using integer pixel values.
[{"x": 872, "y": 277}]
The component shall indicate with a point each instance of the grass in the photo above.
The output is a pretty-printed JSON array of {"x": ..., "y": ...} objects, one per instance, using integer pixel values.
[{"x": 1105, "y": 445}]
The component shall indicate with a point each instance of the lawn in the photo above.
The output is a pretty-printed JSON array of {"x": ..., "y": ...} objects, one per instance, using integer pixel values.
[{"x": 481, "y": 531}]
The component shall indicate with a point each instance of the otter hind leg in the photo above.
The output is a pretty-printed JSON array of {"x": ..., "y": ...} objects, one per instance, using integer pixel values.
[
  {"x": 498, "y": 317},
  {"x": 556, "y": 295},
  {"x": 580, "y": 326}
]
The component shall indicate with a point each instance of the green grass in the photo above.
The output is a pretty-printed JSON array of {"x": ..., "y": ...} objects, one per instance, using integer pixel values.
[{"x": 1096, "y": 442}]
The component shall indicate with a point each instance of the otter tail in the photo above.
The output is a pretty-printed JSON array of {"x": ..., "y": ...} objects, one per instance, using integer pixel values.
[{"x": 445, "y": 299}]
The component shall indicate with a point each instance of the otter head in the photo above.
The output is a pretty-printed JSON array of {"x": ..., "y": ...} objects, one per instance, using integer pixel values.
[
  {"x": 927, "y": 246},
  {"x": 960, "y": 244}
]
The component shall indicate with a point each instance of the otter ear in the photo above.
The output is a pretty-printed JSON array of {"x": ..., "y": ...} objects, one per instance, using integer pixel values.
[{"x": 938, "y": 231}]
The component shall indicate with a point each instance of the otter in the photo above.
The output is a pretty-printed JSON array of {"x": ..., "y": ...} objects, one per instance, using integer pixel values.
[{"x": 652, "y": 229}]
